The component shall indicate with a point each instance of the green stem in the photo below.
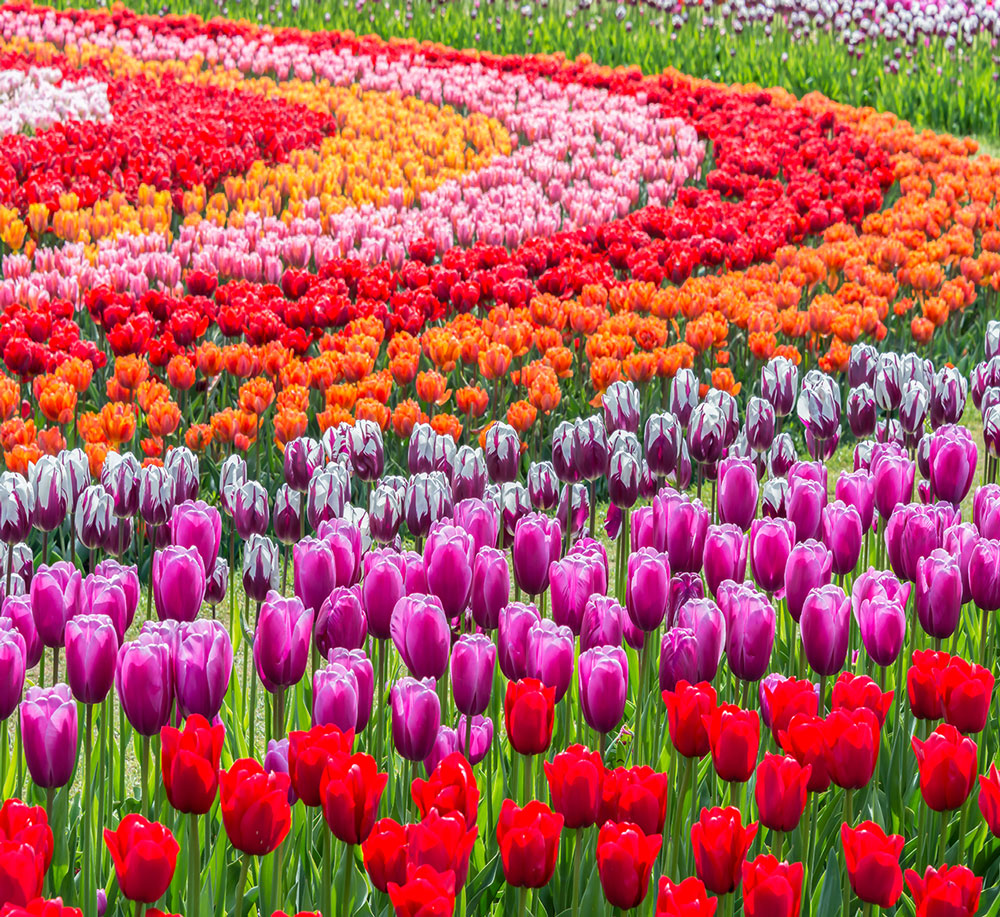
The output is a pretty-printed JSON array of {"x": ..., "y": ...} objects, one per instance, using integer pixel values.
[
  {"x": 193, "y": 900},
  {"x": 144, "y": 775},
  {"x": 526, "y": 779},
  {"x": 846, "y": 885},
  {"x": 244, "y": 869},
  {"x": 577, "y": 857},
  {"x": 345, "y": 907},
  {"x": 962, "y": 823},
  {"x": 943, "y": 843},
  {"x": 326, "y": 892},
  {"x": 89, "y": 741}
]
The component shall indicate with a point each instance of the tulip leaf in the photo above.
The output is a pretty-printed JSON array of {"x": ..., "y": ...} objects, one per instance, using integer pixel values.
[
  {"x": 483, "y": 889},
  {"x": 828, "y": 901}
]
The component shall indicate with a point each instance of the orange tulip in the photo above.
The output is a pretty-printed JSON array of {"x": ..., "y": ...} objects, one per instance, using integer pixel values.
[
  {"x": 521, "y": 415},
  {"x": 472, "y": 401},
  {"x": 494, "y": 361},
  {"x": 57, "y": 400},
  {"x": 406, "y": 416},
  {"x": 130, "y": 370},
  {"x": 432, "y": 387},
  {"x": 210, "y": 359},
  {"x": 198, "y": 437},
  {"x": 224, "y": 426},
  {"x": 289, "y": 425},
  {"x": 180, "y": 372},
  {"x": 447, "y": 423},
  {"x": 117, "y": 422},
  {"x": 256, "y": 395},
  {"x": 370, "y": 409},
  {"x": 51, "y": 440},
  {"x": 164, "y": 418}
]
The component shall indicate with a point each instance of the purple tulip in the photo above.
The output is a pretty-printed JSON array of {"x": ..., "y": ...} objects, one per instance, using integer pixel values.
[
  {"x": 182, "y": 464},
  {"x": 771, "y": 542},
  {"x": 959, "y": 540},
  {"x": 576, "y": 517},
  {"x": 818, "y": 408},
  {"x": 779, "y": 382},
  {"x": 878, "y": 584},
  {"x": 120, "y": 478},
  {"x": 445, "y": 743},
  {"x": 809, "y": 566},
  {"x": 861, "y": 411},
  {"x": 984, "y": 574},
  {"x": 13, "y": 660},
  {"x": 889, "y": 432},
  {"x": 621, "y": 407},
  {"x": 260, "y": 567},
  {"x": 683, "y": 588},
  {"x": 448, "y": 560},
  {"x": 684, "y": 390},
  {"x": 550, "y": 655},
  {"x": 888, "y": 383},
  {"x": 623, "y": 480},
  {"x": 543, "y": 486},
  {"x": 281, "y": 642},
  {"x": 516, "y": 619},
  {"x": 414, "y": 573},
  {"x": 344, "y": 539},
  {"x": 156, "y": 495},
  {"x": 939, "y": 593},
  {"x": 315, "y": 572},
  {"x": 55, "y": 598},
  {"x": 537, "y": 543},
  {"x": 276, "y": 762},
  {"x": 602, "y": 623},
  {"x": 726, "y": 403},
  {"x": 366, "y": 450},
  {"x": 144, "y": 682},
  {"x": 725, "y": 556},
  {"x": 861, "y": 365},
  {"x": 357, "y": 662},
  {"x": 195, "y": 524},
  {"x": 202, "y": 668},
  {"x": 420, "y": 632},
  {"x": 641, "y": 533},
  {"x": 335, "y": 697},
  {"x": 825, "y": 627},
  {"x": 949, "y": 392},
  {"x": 16, "y": 611},
  {"x": 678, "y": 658},
  {"x": 473, "y": 660},
  {"x": 603, "y": 686},
  {"x": 707, "y": 622},
  {"x": 911, "y": 533},
  {"x": 913, "y": 406},
  {"x": 474, "y": 740},
  {"x": 953, "y": 458},
  {"x": 118, "y": 538},
  {"x": 883, "y": 628},
  {"x": 94, "y": 517},
  {"x": 49, "y": 735},
  {"x": 341, "y": 621},
  {"x": 384, "y": 584},
  {"x": 178, "y": 583},
  {"x": 647, "y": 591},
  {"x": 590, "y": 448},
  {"x": 842, "y": 534},
  {"x": 468, "y": 476},
  {"x": 385, "y": 513},
  {"x": 573, "y": 580},
  {"x": 301, "y": 459},
  {"x": 287, "y": 516},
  {"x": 76, "y": 474},
  {"x": 480, "y": 520},
  {"x": 21, "y": 560},
  {"x": 706, "y": 434},
  {"x": 91, "y": 655},
  {"x": 662, "y": 443},
  {"x": 750, "y": 623},
  {"x": 427, "y": 499},
  {"x": 250, "y": 510},
  {"x": 782, "y": 456},
  {"x": 857, "y": 489},
  {"x": 892, "y": 480},
  {"x": 50, "y": 493},
  {"x": 490, "y": 587},
  {"x": 502, "y": 452},
  {"x": 679, "y": 528},
  {"x": 737, "y": 492},
  {"x": 562, "y": 453},
  {"x": 217, "y": 582},
  {"x": 804, "y": 508},
  {"x": 416, "y": 717},
  {"x": 328, "y": 493},
  {"x": 986, "y": 510},
  {"x": 759, "y": 424}
]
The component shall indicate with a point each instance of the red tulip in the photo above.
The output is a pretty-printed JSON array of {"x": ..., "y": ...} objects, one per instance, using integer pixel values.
[
  {"x": 442, "y": 841},
  {"x": 529, "y": 843},
  {"x": 788, "y": 698},
  {"x": 805, "y": 741},
  {"x": 852, "y": 738},
  {"x": 685, "y": 899},
  {"x": 425, "y": 893},
  {"x": 144, "y": 855},
  {"x": 255, "y": 810},
  {"x": 529, "y": 713},
  {"x": 308, "y": 753},
  {"x": 966, "y": 690},
  {"x": 872, "y": 859},
  {"x": 190, "y": 764},
  {"x": 451, "y": 787},
  {"x": 851, "y": 692},
  {"x": 687, "y": 707},
  {"x": 384, "y": 854},
  {"x": 576, "y": 779},
  {"x": 989, "y": 799},
  {"x": 781, "y": 790},
  {"x": 949, "y": 891},
  {"x": 625, "y": 857},
  {"x": 350, "y": 789},
  {"x": 948, "y": 765},
  {"x": 771, "y": 889},
  {"x": 27, "y": 825},
  {"x": 637, "y": 795},
  {"x": 734, "y": 735},
  {"x": 720, "y": 844},
  {"x": 40, "y": 907},
  {"x": 926, "y": 702},
  {"x": 21, "y": 872}
]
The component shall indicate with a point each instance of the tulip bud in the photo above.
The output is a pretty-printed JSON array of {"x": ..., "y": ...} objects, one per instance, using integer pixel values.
[
  {"x": 13, "y": 660},
  {"x": 590, "y": 448},
  {"x": 759, "y": 425},
  {"x": 623, "y": 480},
  {"x": 479, "y": 737},
  {"x": 287, "y": 515},
  {"x": 750, "y": 624},
  {"x": 328, "y": 492},
  {"x": 15, "y": 615},
  {"x": 202, "y": 668},
  {"x": 913, "y": 407},
  {"x": 678, "y": 658},
  {"x": 50, "y": 493},
  {"x": 341, "y": 621},
  {"x": 825, "y": 625},
  {"x": 953, "y": 458},
  {"x": 367, "y": 454},
  {"x": 707, "y": 433},
  {"x": 679, "y": 528},
  {"x": 91, "y": 656},
  {"x": 779, "y": 381},
  {"x": 335, "y": 697},
  {"x": 516, "y": 619},
  {"x": 861, "y": 415},
  {"x": 428, "y": 498},
  {"x": 182, "y": 464},
  {"x": 421, "y": 635},
  {"x": 357, "y": 662},
  {"x": 473, "y": 660},
  {"x": 120, "y": 478},
  {"x": 550, "y": 656},
  {"x": 49, "y": 735},
  {"x": 888, "y": 385},
  {"x": 662, "y": 443},
  {"x": 248, "y": 503},
  {"x": 808, "y": 567},
  {"x": 705, "y": 620},
  {"x": 76, "y": 474},
  {"x": 156, "y": 495},
  {"x": 195, "y": 524},
  {"x": 502, "y": 451},
  {"x": 216, "y": 582},
  {"x": 281, "y": 643},
  {"x": 178, "y": 583},
  {"x": 144, "y": 683},
  {"x": 620, "y": 402},
  {"x": 647, "y": 589},
  {"x": 17, "y": 505},
  {"x": 737, "y": 492},
  {"x": 416, "y": 716},
  {"x": 949, "y": 393},
  {"x": 543, "y": 486},
  {"x": 55, "y": 598},
  {"x": 302, "y": 458},
  {"x": 818, "y": 407},
  {"x": 683, "y": 395},
  {"x": 861, "y": 366},
  {"x": 537, "y": 543},
  {"x": 260, "y": 567},
  {"x": 603, "y": 687},
  {"x": 563, "y": 461},
  {"x": 468, "y": 476},
  {"x": 385, "y": 513},
  {"x": 782, "y": 455}
]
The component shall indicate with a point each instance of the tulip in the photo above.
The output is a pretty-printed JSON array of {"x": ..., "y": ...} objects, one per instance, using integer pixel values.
[
  {"x": 383, "y": 585},
  {"x": 939, "y": 593},
  {"x": 182, "y": 464},
  {"x": 825, "y": 627},
  {"x": 178, "y": 583},
  {"x": 55, "y": 598},
  {"x": 281, "y": 641},
  {"x": 601, "y": 624},
  {"x": 857, "y": 489},
  {"x": 913, "y": 406},
  {"x": 190, "y": 764},
  {"x": 512, "y": 503},
  {"x": 872, "y": 860},
  {"x": 448, "y": 559},
  {"x": 625, "y": 857},
  {"x": 287, "y": 515},
  {"x": 255, "y": 809},
  {"x": 688, "y": 707},
  {"x": 684, "y": 899},
  {"x": 315, "y": 572},
  {"x": 350, "y": 790},
  {"x": 804, "y": 507},
  {"x": 529, "y": 712},
  {"x": 473, "y": 660},
  {"x": 922, "y": 679},
  {"x": 780, "y": 459},
  {"x": 335, "y": 697},
  {"x": 852, "y": 738},
  {"x": 679, "y": 528},
  {"x": 986, "y": 510},
  {"x": 706, "y": 434},
  {"x": 678, "y": 658},
  {"x": 308, "y": 754},
  {"x": 966, "y": 690},
  {"x": 537, "y": 542},
  {"x": 783, "y": 698},
  {"x": 91, "y": 654},
  {"x": 450, "y": 788},
  {"x": 479, "y": 520},
  {"x": 805, "y": 740},
  {"x": 683, "y": 588},
  {"x": 947, "y": 890},
  {"x": 529, "y": 843},
  {"x": 725, "y": 556},
  {"x": 720, "y": 845},
  {"x": 328, "y": 494},
  {"x": 772, "y": 889},
  {"x": 421, "y": 634},
  {"x": 861, "y": 411},
  {"x": 637, "y": 795},
  {"x": 515, "y": 621},
  {"x": 94, "y": 516},
  {"x": 12, "y": 668},
  {"x": 948, "y": 767},
  {"x": 502, "y": 452},
  {"x": 475, "y": 738},
  {"x": 49, "y": 734},
  {"x": 301, "y": 459},
  {"x": 416, "y": 716},
  {"x": 623, "y": 480},
  {"x": 443, "y": 841},
  {"x": 883, "y": 627},
  {"x": 216, "y": 583},
  {"x": 15, "y": 615},
  {"x": 662, "y": 443},
  {"x": 144, "y": 855},
  {"x": 953, "y": 458},
  {"x": 203, "y": 666},
  {"x": 911, "y": 533},
  {"x": 989, "y": 799},
  {"x": 366, "y": 450},
  {"x": 543, "y": 486},
  {"x": 195, "y": 524},
  {"x": 144, "y": 684},
  {"x": 575, "y": 778},
  {"x": 984, "y": 574},
  {"x": 384, "y": 854},
  {"x": 737, "y": 492},
  {"x": 852, "y": 692},
  {"x": 603, "y": 687},
  {"x": 706, "y": 620},
  {"x": 573, "y": 580},
  {"x": 76, "y": 473},
  {"x": 734, "y": 737},
  {"x": 490, "y": 587},
  {"x": 818, "y": 408},
  {"x": 647, "y": 589},
  {"x": 385, "y": 513},
  {"x": 779, "y": 379},
  {"x": 468, "y": 476},
  {"x": 750, "y": 626},
  {"x": 49, "y": 492},
  {"x": 771, "y": 542},
  {"x": 425, "y": 891},
  {"x": 781, "y": 791},
  {"x": 892, "y": 481},
  {"x": 808, "y": 568},
  {"x": 260, "y": 567}
]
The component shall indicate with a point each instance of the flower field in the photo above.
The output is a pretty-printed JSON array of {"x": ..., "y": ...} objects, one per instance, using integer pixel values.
[{"x": 447, "y": 482}]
